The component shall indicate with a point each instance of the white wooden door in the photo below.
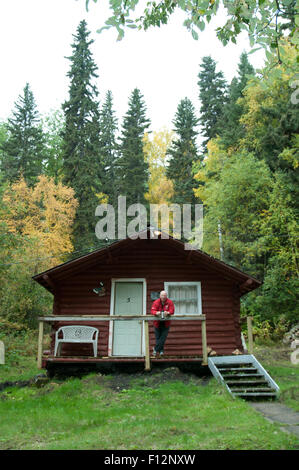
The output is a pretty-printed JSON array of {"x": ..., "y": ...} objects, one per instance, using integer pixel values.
[{"x": 127, "y": 334}]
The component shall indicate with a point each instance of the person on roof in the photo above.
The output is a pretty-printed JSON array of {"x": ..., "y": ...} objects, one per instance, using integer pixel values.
[{"x": 162, "y": 307}]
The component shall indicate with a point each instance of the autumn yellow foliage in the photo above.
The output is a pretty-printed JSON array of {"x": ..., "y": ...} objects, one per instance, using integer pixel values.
[
  {"x": 210, "y": 169},
  {"x": 44, "y": 213},
  {"x": 160, "y": 188}
]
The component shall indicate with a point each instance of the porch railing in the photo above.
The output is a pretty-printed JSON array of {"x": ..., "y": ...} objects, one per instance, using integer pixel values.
[{"x": 144, "y": 318}]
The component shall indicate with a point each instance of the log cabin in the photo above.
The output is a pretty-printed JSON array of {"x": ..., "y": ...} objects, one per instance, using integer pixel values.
[{"x": 122, "y": 280}]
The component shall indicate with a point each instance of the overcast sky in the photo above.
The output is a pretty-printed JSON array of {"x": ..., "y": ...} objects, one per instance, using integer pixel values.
[{"x": 163, "y": 62}]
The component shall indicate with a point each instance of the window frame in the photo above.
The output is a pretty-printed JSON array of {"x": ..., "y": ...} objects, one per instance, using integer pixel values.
[{"x": 187, "y": 283}]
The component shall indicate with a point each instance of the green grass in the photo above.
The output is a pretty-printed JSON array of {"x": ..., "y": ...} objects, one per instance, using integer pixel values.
[
  {"x": 20, "y": 356},
  {"x": 276, "y": 360},
  {"x": 288, "y": 381},
  {"x": 88, "y": 414},
  {"x": 80, "y": 414}
]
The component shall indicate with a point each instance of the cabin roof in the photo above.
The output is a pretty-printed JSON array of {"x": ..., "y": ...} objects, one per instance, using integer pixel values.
[{"x": 64, "y": 270}]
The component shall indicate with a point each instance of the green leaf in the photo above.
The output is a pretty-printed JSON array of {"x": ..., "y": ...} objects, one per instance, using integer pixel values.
[
  {"x": 237, "y": 28},
  {"x": 115, "y": 4},
  {"x": 269, "y": 55},
  {"x": 187, "y": 23},
  {"x": 102, "y": 29},
  {"x": 182, "y": 4},
  {"x": 121, "y": 34},
  {"x": 111, "y": 21},
  {"x": 254, "y": 50},
  {"x": 194, "y": 34},
  {"x": 201, "y": 25},
  {"x": 87, "y": 2},
  {"x": 295, "y": 39}
]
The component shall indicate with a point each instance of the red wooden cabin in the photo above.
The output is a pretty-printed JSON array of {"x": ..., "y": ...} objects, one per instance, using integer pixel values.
[{"x": 131, "y": 273}]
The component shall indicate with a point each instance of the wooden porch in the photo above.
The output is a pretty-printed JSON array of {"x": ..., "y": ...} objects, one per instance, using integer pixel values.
[{"x": 146, "y": 359}]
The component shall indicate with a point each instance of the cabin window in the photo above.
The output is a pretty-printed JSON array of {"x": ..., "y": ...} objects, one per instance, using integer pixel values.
[{"x": 186, "y": 297}]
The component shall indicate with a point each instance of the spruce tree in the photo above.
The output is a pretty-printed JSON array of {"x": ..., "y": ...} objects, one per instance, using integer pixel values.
[
  {"x": 212, "y": 95},
  {"x": 108, "y": 148},
  {"x": 23, "y": 152},
  {"x": 245, "y": 72},
  {"x": 133, "y": 172},
  {"x": 183, "y": 152},
  {"x": 232, "y": 130},
  {"x": 53, "y": 124},
  {"x": 82, "y": 167}
]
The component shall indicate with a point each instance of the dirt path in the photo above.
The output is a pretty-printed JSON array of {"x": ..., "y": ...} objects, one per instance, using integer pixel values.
[{"x": 279, "y": 413}]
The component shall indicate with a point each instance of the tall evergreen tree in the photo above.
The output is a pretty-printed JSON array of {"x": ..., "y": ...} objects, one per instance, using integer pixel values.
[
  {"x": 3, "y": 138},
  {"x": 183, "y": 152},
  {"x": 212, "y": 95},
  {"x": 108, "y": 148},
  {"x": 82, "y": 168},
  {"x": 245, "y": 71},
  {"x": 53, "y": 125},
  {"x": 133, "y": 170},
  {"x": 23, "y": 151},
  {"x": 232, "y": 130}
]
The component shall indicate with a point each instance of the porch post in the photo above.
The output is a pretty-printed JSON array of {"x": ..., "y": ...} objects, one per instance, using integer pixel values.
[
  {"x": 250, "y": 337},
  {"x": 204, "y": 343},
  {"x": 147, "y": 353},
  {"x": 40, "y": 344}
]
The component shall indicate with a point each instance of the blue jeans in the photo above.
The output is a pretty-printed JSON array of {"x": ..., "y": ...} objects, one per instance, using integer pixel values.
[{"x": 161, "y": 335}]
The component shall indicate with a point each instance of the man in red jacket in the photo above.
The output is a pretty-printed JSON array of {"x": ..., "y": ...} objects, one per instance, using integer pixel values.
[{"x": 163, "y": 304}]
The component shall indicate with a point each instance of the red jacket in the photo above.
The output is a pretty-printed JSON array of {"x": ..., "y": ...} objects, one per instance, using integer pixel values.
[{"x": 158, "y": 307}]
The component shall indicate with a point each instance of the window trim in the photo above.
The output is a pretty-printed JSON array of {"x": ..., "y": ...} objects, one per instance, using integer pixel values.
[{"x": 188, "y": 283}]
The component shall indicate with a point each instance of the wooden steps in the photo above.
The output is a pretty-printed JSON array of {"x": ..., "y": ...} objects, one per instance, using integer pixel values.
[{"x": 243, "y": 376}]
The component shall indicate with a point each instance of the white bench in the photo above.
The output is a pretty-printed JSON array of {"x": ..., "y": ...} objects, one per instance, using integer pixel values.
[{"x": 76, "y": 334}]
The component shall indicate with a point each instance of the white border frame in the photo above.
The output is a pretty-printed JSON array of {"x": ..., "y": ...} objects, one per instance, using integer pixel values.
[
  {"x": 112, "y": 302},
  {"x": 188, "y": 283}
]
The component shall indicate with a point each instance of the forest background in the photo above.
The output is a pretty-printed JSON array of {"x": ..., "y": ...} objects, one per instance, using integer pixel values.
[{"x": 57, "y": 167}]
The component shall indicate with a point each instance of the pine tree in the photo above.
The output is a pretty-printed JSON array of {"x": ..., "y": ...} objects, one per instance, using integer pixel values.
[
  {"x": 133, "y": 171},
  {"x": 183, "y": 152},
  {"x": 232, "y": 130},
  {"x": 23, "y": 152},
  {"x": 108, "y": 148},
  {"x": 212, "y": 95},
  {"x": 82, "y": 168}
]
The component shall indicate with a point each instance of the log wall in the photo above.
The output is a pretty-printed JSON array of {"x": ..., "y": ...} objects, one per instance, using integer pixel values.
[{"x": 157, "y": 263}]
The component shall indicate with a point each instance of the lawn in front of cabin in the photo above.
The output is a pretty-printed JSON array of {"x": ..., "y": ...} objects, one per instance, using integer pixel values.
[{"x": 157, "y": 410}]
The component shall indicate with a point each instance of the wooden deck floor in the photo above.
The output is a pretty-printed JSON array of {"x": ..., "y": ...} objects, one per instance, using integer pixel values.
[{"x": 118, "y": 360}]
